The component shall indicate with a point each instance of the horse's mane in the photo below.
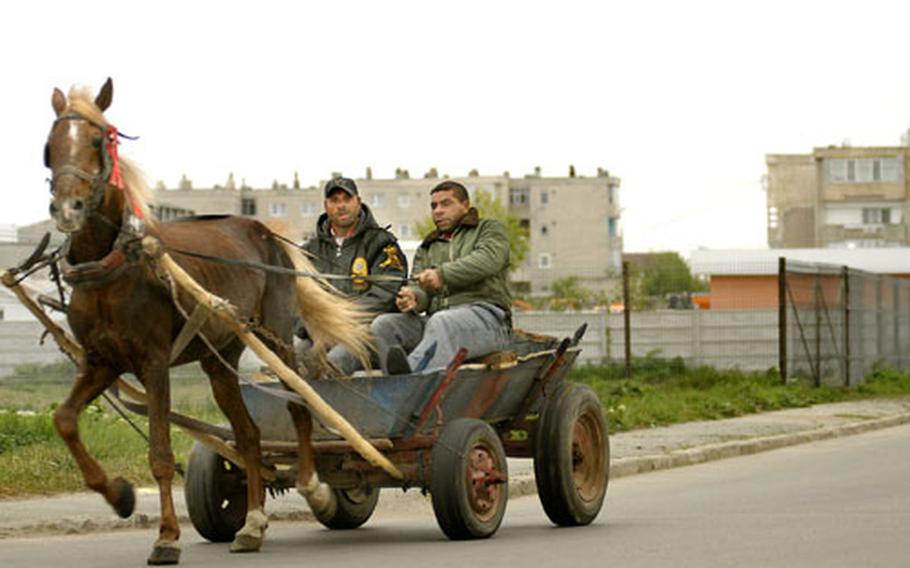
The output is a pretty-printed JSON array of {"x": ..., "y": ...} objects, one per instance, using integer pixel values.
[{"x": 137, "y": 189}]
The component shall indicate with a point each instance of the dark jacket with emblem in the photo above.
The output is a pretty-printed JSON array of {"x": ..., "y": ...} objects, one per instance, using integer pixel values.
[
  {"x": 473, "y": 263},
  {"x": 380, "y": 253}
]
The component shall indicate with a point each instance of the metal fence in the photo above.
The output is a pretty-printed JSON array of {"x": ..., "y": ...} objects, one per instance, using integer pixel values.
[{"x": 838, "y": 322}]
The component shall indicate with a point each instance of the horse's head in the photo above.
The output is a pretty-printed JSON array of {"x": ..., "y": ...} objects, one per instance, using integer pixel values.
[{"x": 80, "y": 155}]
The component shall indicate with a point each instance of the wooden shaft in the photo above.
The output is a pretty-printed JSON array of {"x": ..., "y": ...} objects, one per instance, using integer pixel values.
[
  {"x": 224, "y": 310},
  {"x": 69, "y": 346}
]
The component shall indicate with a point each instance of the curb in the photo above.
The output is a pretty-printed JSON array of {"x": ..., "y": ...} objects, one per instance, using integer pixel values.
[
  {"x": 519, "y": 485},
  {"x": 678, "y": 458}
]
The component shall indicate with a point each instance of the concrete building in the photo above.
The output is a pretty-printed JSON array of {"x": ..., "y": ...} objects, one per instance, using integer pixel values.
[
  {"x": 838, "y": 197},
  {"x": 574, "y": 222}
]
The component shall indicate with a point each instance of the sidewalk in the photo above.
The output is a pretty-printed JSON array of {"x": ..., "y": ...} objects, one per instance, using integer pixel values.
[{"x": 633, "y": 452}]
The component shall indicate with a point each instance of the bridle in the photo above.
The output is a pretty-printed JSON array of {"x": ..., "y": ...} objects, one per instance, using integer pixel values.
[
  {"x": 110, "y": 168},
  {"x": 123, "y": 251}
]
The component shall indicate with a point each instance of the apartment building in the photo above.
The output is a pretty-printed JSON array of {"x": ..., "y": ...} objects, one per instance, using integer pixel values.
[
  {"x": 573, "y": 222},
  {"x": 838, "y": 197}
]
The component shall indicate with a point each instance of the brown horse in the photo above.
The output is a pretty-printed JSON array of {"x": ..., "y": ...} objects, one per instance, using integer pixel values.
[{"x": 125, "y": 316}]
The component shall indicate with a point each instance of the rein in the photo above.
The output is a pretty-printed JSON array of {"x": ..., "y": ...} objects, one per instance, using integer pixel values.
[{"x": 378, "y": 278}]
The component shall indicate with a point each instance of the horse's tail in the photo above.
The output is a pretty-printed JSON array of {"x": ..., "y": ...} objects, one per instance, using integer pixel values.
[{"x": 329, "y": 317}]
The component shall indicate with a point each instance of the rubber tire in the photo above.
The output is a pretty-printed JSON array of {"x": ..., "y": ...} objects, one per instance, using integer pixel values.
[
  {"x": 449, "y": 484},
  {"x": 554, "y": 463},
  {"x": 216, "y": 515},
  {"x": 353, "y": 510}
]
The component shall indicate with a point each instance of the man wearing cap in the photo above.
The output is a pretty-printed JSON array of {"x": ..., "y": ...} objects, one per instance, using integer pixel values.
[
  {"x": 461, "y": 297},
  {"x": 349, "y": 242}
]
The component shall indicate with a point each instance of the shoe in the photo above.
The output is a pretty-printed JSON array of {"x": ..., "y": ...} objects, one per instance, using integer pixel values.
[{"x": 396, "y": 361}]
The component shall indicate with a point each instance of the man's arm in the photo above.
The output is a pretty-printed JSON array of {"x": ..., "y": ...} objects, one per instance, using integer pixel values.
[{"x": 489, "y": 257}]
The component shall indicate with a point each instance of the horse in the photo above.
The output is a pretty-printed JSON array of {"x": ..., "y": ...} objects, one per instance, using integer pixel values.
[{"x": 126, "y": 316}]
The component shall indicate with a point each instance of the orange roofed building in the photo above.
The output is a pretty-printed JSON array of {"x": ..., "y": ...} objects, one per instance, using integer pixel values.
[{"x": 747, "y": 279}]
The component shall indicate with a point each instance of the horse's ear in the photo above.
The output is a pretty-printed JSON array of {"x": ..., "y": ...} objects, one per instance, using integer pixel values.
[
  {"x": 105, "y": 95},
  {"x": 58, "y": 101}
]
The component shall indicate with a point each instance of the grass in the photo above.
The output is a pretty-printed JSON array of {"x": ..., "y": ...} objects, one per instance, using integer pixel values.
[
  {"x": 662, "y": 392},
  {"x": 33, "y": 460}
]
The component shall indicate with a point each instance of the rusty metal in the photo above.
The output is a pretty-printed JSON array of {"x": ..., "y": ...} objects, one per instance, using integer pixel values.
[
  {"x": 539, "y": 385},
  {"x": 436, "y": 398}
]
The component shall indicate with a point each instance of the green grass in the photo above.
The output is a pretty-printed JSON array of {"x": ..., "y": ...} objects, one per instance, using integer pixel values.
[
  {"x": 34, "y": 460},
  {"x": 662, "y": 392}
]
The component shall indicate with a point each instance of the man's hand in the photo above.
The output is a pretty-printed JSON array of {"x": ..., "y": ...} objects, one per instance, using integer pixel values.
[
  {"x": 429, "y": 280},
  {"x": 406, "y": 300}
]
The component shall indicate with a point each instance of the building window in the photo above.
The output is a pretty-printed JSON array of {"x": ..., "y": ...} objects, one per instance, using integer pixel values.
[
  {"x": 544, "y": 260},
  {"x": 864, "y": 170},
  {"x": 309, "y": 209},
  {"x": 404, "y": 231},
  {"x": 518, "y": 195},
  {"x": 404, "y": 200},
  {"x": 544, "y": 198},
  {"x": 876, "y": 215},
  {"x": 612, "y": 227},
  {"x": 376, "y": 201},
  {"x": 248, "y": 206},
  {"x": 772, "y": 217},
  {"x": 278, "y": 209},
  {"x": 544, "y": 230}
]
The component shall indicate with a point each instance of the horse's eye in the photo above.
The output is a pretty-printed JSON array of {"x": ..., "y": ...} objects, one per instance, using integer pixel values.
[{"x": 96, "y": 141}]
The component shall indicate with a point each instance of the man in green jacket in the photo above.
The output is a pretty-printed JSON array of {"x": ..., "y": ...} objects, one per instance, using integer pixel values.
[{"x": 460, "y": 271}]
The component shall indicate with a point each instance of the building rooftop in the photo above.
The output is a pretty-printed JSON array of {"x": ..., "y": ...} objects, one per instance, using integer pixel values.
[{"x": 765, "y": 261}]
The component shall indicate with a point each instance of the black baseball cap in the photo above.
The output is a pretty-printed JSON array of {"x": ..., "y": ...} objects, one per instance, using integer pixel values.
[{"x": 344, "y": 184}]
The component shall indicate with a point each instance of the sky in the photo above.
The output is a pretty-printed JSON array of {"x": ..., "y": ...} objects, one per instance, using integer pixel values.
[{"x": 680, "y": 100}]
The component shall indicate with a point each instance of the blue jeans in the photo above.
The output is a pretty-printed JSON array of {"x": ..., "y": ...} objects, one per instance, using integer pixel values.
[{"x": 482, "y": 328}]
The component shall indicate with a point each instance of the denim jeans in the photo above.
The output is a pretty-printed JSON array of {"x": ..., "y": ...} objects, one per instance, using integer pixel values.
[{"x": 480, "y": 327}]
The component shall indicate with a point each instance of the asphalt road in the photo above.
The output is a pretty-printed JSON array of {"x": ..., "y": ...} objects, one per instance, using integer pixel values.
[{"x": 841, "y": 502}]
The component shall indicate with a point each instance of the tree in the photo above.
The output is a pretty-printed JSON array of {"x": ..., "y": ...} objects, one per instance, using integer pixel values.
[
  {"x": 664, "y": 273},
  {"x": 489, "y": 207}
]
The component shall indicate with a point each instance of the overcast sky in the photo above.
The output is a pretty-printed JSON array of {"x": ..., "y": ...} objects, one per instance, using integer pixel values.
[{"x": 681, "y": 100}]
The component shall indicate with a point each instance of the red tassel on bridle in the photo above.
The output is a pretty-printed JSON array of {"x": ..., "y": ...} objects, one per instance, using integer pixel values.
[{"x": 116, "y": 178}]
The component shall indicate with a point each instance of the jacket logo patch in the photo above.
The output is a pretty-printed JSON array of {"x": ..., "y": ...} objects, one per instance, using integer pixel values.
[
  {"x": 392, "y": 259},
  {"x": 359, "y": 269}
]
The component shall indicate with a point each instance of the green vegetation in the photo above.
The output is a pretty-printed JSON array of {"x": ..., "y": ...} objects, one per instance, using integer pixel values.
[
  {"x": 33, "y": 458},
  {"x": 662, "y": 392}
]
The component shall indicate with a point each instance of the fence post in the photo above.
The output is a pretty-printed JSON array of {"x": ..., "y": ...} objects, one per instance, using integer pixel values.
[
  {"x": 626, "y": 316},
  {"x": 818, "y": 330},
  {"x": 846, "y": 272},
  {"x": 782, "y": 317},
  {"x": 895, "y": 310}
]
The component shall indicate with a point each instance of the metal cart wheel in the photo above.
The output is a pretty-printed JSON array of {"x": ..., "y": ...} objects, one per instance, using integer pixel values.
[
  {"x": 355, "y": 506},
  {"x": 572, "y": 456},
  {"x": 469, "y": 484},
  {"x": 215, "y": 492}
]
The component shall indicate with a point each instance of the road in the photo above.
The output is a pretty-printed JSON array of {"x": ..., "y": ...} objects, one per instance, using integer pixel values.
[{"x": 842, "y": 502}]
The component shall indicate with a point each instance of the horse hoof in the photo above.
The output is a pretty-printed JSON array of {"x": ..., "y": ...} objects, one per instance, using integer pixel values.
[
  {"x": 164, "y": 554},
  {"x": 246, "y": 543},
  {"x": 126, "y": 498}
]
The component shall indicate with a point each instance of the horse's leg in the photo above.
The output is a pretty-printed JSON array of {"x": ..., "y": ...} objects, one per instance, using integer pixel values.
[
  {"x": 227, "y": 394},
  {"x": 154, "y": 375},
  {"x": 319, "y": 495},
  {"x": 88, "y": 385}
]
